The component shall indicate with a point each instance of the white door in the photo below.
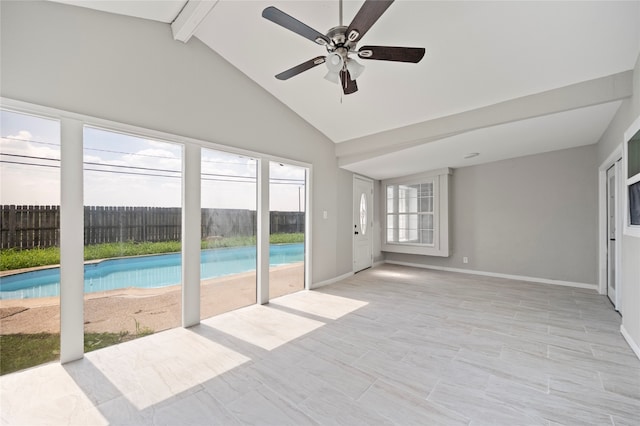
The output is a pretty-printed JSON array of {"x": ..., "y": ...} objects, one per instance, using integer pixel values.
[
  {"x": 362, "y": 223},
  {"x": 611, "y": 235}
]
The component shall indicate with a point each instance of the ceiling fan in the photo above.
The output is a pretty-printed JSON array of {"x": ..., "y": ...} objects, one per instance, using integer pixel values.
[{"x": 340, "y": 43}]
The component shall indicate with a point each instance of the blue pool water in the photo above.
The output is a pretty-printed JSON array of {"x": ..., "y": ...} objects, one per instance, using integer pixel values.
[{"x": 146, "y": 271}]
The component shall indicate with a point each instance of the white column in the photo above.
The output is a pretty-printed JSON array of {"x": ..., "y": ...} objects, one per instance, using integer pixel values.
[
  {"x": 191, "y": 236},
  {"x": 307, "y": 231},
  {"x": 71, "y": 242},
  {"x": 262, "y": 267}
]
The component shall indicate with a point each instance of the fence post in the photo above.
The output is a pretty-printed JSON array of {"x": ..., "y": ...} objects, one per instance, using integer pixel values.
[{"x": 12, "y": 226}]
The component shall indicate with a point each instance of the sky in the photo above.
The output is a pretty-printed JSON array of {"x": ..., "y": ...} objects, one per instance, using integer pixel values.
[{"x": 126, "y": 170}]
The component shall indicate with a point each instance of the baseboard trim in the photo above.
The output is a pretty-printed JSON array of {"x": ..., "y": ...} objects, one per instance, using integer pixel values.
[
  {"x": 331, "y": 281},
  {"x": 634, "y": 346},
  {"x": 498, "y": 275}
]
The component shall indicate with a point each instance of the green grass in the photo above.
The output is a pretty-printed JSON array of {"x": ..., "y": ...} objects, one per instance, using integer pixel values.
[
  {"x": 20, "y": 351},
  {"x": 17, "y": 259}
]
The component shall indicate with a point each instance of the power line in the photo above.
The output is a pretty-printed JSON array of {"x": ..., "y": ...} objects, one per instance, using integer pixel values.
[
  {"x": 124, "y": 152},
  {"x": 29, "y": 164},
  {"x": 219, "y": 177},
  {"x": 290, "y": 180},
  {"x": 30, "y": 140},
  {"x": 29, "y": 156}
]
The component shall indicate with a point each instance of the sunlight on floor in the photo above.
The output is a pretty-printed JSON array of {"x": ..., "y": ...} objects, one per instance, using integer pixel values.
[
  {"x": 263, "y": 326},
  {"x": 28, "y": 398},
  {"x": 125, "y": 381},
  {"x": 149, "y": 370},
  {"x": 320, "y": 304}
]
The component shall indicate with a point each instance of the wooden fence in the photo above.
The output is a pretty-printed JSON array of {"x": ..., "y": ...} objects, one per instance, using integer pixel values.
[{"x": 24, "y": 227}]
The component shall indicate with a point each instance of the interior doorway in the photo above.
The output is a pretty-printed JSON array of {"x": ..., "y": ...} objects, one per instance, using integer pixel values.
[{"x": 613, "y": 233}]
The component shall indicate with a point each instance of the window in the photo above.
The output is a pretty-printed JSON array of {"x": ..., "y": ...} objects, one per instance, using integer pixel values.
[
  {"x": 228, "y": 231},
  {"x": 632, "y": 175},
  {"x": 416, "y": 214},
  {"x": 287, "y": 213},
  {"x": 133, "y": 184},
  {"x": 30, "y": 234},
  {"x": 132, "y": 212}
]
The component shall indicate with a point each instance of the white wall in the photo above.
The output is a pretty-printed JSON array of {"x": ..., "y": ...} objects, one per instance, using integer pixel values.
[
  {"x": 533, "y": 216},
  {"x": 131, "y": 71},
  {"x": 614, "y": 136}
]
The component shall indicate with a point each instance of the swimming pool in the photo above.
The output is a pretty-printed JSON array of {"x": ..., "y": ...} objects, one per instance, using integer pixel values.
[{"x": 146, "y": 271}]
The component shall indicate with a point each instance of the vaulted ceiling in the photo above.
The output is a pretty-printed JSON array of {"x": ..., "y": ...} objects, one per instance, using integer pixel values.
[{"x": 501, "y": 79}]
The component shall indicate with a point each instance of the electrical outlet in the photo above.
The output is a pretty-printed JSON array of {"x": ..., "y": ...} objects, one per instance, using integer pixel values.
[
  {"x": 465, "y": 259},
  {"x": 325, "y": 214}
]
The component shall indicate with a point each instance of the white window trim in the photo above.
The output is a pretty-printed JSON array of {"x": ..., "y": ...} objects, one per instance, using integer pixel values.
[
  {"x": 440, "y": 245},
  {"x": 632, "y": 230}
]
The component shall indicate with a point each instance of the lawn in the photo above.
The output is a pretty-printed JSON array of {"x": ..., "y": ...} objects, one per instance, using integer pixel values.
[{"x": 20, "y": 351}]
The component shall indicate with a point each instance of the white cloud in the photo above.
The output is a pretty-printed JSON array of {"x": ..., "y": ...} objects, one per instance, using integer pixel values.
[{"x": 24, "y": 135}]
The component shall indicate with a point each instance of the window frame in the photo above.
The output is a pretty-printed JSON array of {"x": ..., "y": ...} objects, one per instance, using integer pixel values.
[
  {"x": 629, "y": 229},
  {"x": 440, "y": 246},
  {"x": 71, "y": 181}
]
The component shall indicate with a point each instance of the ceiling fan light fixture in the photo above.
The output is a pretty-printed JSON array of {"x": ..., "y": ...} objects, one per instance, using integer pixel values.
[
  {"x": 334, "y": 62},
  {"x": 333, "y": 77},
  {"x": 355, "y": 68}
]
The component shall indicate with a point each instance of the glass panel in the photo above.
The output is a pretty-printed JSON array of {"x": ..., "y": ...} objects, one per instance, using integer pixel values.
[
  {"x": 408, "y": 201},
  {"x": 408, "y": 225},
  {"x": 391, "y": 226},
  {"x": 363, "y": 213},
  {"x": 426, "y": 204},
  {"x": 391, "y": 201},
  {"x": 390, "y": 206},
  {"x": 391, "y": 189},
  {"x": 132, "y": 197},
  {"x": 390, "y": 237},
  {"x": 426, "y": 237},
  {"x": 30, "y": 198},
  {"x": 634, "y": 204},
  {"x": 426, "y": 189},
  {"x": 228, "y": 231},
  {"x": 426, "y": 221},
  {"x": 633, "y": 155},
  {"x": 408, "y": 235},
  {"x": 287, "y": 191}
]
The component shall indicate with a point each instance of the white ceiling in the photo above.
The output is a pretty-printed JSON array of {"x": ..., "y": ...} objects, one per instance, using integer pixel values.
[
  {"x": 479, "y": 54},
  {"x": 155, "y": 10}
]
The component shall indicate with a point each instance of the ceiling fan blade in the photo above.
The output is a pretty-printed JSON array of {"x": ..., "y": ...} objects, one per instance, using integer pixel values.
[
  {"x": 291, "y": 72},
  {"x": 279, "y": 17},
  {"x": 368, "y": 14},
  {"x": 391, "y": 53},
  {"x": 348, "y": 86}
]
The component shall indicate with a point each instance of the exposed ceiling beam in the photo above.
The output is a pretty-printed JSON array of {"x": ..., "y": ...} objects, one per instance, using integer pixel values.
[
  {"x": 593, "y": 92},
  {"x": 190, "y": 17}
]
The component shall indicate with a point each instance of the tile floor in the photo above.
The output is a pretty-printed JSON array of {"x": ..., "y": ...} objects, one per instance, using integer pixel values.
[{"x": 391, "y": 345}]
